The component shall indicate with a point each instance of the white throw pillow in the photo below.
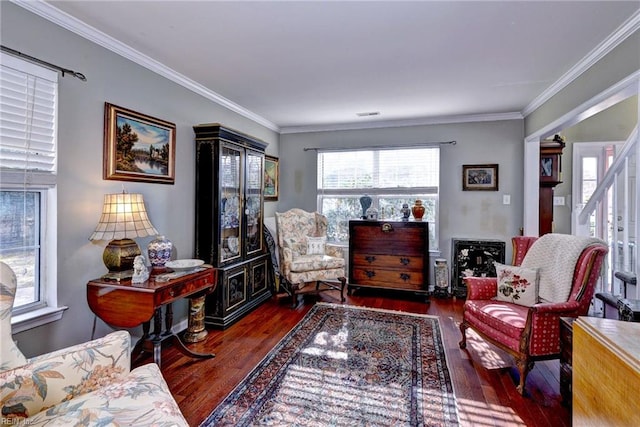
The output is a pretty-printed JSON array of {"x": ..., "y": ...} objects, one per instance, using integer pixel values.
[
  {"x": 518, "y": 285},
  {"x": 315, "y": 245}
]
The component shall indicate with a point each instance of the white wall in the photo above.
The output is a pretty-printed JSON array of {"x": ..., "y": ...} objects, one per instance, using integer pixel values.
[
  {"x": 622, "y": 61},
  {"x": 474, "y": 214},
  {"x": 612, "y": 124},
  {"x": 113, "y": 79}
]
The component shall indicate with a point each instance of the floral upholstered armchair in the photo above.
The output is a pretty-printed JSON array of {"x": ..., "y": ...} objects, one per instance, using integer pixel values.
[
  {"x": 88, "y": 384},
  {"x": 519, "y": 311},
  {"x": 305, "y": 256}
]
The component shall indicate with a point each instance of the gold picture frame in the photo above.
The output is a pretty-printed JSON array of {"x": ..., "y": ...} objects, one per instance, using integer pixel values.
[
  {"x": 480, "y": 177},
  {"x": 138, "y": 147},
  {"x": 271, "y": 177}
]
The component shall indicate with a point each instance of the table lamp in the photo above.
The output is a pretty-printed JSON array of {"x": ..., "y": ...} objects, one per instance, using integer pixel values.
[{"x": 124, "y": 217}]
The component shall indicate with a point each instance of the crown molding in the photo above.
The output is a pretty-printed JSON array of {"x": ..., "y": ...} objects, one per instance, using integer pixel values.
[
  {"x": 402, "y": 123},
  {"x": 64, "y": 20},
  {"x": 625, "y": 30}
]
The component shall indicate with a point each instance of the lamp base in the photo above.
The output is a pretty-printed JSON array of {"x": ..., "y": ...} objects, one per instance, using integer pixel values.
[
  {"x": 119, "y": 254},
  {"x": 117, "y": 276}
]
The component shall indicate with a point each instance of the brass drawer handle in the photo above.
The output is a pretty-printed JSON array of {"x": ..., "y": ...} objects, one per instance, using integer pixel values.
[
  {"x": 405, "y": 276},
  {"x": 386, "y": 227},
  {"x": 370, "y": 259},
  {"x": 369, "y": 273},
  {"x": 405, "y": 261},
  {"x": 172, "y": 292}
]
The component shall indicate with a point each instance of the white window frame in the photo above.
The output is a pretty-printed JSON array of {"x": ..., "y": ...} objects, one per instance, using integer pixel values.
[
  {"x": 580, "y": 151},
  {"x": 376, "y": 193},
  {"x": 47, "y": 310}
]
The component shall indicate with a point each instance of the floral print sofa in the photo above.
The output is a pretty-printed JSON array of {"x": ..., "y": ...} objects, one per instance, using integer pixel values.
[{"x": 87, "y": 384}]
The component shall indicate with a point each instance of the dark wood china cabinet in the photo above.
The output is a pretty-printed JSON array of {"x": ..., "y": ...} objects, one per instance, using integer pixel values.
[{"x": 229, "y": 220}]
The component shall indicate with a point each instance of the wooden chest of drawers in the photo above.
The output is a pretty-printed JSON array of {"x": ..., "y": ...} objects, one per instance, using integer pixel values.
[{"x": 389, "y": 255}]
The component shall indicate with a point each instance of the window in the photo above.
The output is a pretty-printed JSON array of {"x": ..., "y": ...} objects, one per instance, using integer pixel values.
[
  {"x": 28, "y": 118},
  {"x": 591, "y": 161},
  {"x": 390, "y": 177}
]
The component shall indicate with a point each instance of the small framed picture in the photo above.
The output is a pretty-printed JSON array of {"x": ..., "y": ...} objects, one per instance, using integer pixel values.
[
  {"x": 480, "y": 177},
  {"x": 271, "y": 177},
  {"x": 138, "y": 147}
]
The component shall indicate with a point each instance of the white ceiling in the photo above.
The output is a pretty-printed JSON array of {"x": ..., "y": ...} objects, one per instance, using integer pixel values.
[{"x": 302, "y": 65}]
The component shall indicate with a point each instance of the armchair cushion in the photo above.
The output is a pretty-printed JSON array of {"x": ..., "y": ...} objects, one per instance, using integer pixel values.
[
  {"x": 89, "y": 382},
  {"x": 316, "y": 245},
  {"x": 497, "y": 320},
  {"x": 55, "y": 377},
  {"x": 304, "y": 263},
  {"x": 518, "y": 285},
  {"x": 142, "y": 398}
]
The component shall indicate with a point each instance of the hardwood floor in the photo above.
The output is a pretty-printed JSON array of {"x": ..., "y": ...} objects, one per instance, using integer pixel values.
[{"x": 484, "y": 378}]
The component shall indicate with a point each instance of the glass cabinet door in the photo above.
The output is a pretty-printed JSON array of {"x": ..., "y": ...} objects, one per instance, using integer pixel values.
[
  {"x": 253, "y": 208},
  {"x": 230, "y": 202}
]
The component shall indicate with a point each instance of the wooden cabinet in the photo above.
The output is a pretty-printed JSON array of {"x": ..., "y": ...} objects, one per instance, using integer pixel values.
[
  {"x": 550, "y": 176},
  {"x": 606, "y": 372},
  {"x": 566, "y": 351},
  {"x": 389, "y": 254},
  {"x": 229, "y": 220},
  {"x": 475, "y": 258}
]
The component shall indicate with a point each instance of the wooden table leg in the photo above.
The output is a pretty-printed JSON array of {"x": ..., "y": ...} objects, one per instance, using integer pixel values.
[
  {"x": 157, "y": 337},
  {"x": 168, "y": 320}
]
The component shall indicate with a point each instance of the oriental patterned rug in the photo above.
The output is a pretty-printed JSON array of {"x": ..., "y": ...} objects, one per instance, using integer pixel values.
[{"x": 348, "y": 366}]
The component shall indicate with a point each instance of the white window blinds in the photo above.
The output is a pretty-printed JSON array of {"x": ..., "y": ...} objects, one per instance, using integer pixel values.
[
  {"x": 414, "y": 169},
  {"x": 28, "y": 97}
]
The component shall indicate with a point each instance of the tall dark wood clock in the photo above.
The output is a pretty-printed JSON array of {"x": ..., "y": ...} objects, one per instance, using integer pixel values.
[{"x": 550, "y": 176}]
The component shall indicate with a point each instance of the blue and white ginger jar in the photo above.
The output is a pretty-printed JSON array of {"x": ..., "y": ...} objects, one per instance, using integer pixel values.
[{"x": 159, "y": 250}]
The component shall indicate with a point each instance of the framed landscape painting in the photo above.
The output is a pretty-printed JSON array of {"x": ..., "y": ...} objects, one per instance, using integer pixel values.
[
  {"x": 480, "y": 177},
  {"x": 138, "y": 147},
  {"x": 271, "y": 177}
]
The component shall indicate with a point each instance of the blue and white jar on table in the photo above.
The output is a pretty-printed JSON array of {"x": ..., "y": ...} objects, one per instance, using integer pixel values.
[{"x": 159, "y": 250}]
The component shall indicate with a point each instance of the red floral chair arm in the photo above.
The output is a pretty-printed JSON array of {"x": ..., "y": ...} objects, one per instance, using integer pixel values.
[
  {"x": 560, "y": 308},
  {"x": 544, "y": 329},
  {"x": 481, "y": 288}
]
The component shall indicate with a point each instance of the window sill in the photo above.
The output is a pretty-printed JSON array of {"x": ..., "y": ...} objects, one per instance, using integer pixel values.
[{"x": 36, "y": 318}]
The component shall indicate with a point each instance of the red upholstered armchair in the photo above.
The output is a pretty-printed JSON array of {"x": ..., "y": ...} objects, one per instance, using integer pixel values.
[{"x": 567, "y": 269}]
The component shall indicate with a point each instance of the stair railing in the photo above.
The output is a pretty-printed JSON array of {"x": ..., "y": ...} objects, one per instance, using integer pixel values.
[{"x": 622, "y": 178}]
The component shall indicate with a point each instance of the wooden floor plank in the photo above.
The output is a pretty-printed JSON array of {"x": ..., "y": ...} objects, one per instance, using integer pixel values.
[{"x": 485, "y": 396}]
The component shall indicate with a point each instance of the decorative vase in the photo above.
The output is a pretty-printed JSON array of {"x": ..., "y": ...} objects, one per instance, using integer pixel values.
[
  {"x": 159, "y": 250},
  {"x": 365, "y": 202},
  {"x": 442, "y": 277},
  {"x": 406, "y": 212},
  {"x": 417, "y": 210}
]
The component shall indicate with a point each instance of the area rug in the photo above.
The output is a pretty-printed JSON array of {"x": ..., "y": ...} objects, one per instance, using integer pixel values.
[{"x": 348, "y": 366}]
